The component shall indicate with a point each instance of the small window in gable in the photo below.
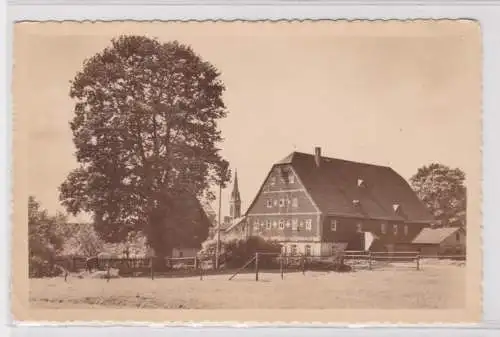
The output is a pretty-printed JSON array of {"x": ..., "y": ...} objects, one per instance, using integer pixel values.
[
  {"x": 406, "y": 230},
  {"x": 282, "y": 223},
  {"x": 272, "y": 181},
  {"x": 383, "y": 228},
  {"x": 269, "y": 203},
  {"x": 333, "y": 225},
  {"x": 295, "y": 202},
  {"x": 395, "y": 229},
  {"x": 291, "y": 178}
]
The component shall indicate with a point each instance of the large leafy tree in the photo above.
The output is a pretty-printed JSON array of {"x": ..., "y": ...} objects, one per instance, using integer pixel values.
[
  {"x": 146, "y": 133},
  {"x": 443, "y": 191}
]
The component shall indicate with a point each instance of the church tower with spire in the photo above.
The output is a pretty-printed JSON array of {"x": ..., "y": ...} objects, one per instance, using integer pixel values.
[{"x": 235, "y": 202}]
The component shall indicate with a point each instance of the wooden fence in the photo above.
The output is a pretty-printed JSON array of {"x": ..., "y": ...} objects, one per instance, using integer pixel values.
[{"x": 257, "y": 263}]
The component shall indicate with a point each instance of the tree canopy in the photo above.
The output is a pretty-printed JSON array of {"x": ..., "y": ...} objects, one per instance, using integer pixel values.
[
  {"x": 44, "y": 231},
  {"x": 442, "y": 190},
  {"x": 145, "y": 128}
]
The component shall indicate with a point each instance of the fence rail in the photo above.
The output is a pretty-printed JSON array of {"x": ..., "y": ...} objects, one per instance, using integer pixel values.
[{"x": 259, "y": 262}]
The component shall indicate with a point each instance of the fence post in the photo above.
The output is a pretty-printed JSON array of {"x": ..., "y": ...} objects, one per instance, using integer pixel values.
[
  {"x": 152, "y": 269},
  {"x": 281, "y": 266},
  {"x": 370, "y": 260},
  {"x": 256, "y": 266},
  {"x": 303, "y": 265},
  {"x": 195, "y": 262},
  {"x": 418, "y": 261}
]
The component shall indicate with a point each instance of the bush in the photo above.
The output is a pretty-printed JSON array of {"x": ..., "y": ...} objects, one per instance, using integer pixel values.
[
  {"x": 238, "y": 252},
  {"x": 39, "y": 267}
]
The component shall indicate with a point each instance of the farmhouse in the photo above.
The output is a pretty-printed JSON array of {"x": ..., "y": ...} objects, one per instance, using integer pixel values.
[
  {"x": 440, "y": 241},
  {"x": 314, "y": 204}
]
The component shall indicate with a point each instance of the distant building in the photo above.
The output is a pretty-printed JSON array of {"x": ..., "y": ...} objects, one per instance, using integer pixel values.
[{"x": 314, "y": 205}]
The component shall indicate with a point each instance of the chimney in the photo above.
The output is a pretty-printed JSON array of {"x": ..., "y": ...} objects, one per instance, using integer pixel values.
[{"x": 317, "y": 156}]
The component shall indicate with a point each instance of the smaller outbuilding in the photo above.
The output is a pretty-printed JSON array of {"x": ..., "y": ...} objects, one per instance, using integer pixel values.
[{"x": 440, "y": 241}]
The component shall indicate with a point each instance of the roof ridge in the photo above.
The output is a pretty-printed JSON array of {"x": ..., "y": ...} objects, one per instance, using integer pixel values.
[{"x": 293, "y": 153}]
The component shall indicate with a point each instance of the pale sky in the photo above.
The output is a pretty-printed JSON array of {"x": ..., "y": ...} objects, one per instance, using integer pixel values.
[{"x": 397, "y": 94}]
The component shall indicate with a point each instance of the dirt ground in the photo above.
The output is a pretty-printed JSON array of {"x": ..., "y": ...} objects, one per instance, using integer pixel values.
[{"x": 436, "y": 286}]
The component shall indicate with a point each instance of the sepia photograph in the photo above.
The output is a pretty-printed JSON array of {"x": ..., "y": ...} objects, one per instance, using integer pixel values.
[{"x": 312, "y": 171}]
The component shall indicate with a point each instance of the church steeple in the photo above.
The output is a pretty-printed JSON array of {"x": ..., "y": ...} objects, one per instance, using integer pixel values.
[{"x": 235, "y": 202}]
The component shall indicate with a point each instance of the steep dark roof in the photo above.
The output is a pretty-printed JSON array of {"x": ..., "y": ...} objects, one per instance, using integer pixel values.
[
  {"x": 434, "y": 235},
  {"x": 333, "y": 186}
]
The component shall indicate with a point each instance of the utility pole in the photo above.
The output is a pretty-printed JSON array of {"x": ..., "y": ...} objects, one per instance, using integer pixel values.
[{"x": 217, "y": 247}]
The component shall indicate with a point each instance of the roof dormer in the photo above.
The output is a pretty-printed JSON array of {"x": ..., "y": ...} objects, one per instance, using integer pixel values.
[
  {"x": 396, "y": 208},
  {"x": 361, "y": 183}
]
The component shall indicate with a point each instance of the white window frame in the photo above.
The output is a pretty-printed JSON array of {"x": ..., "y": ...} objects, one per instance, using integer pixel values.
[
  {"x": 275, "y": 202},
  {"x": 359, "y": 227},
  {"x": 295, "y": 202},
  {"x": 293, "y": 250},
  {"x": 333, "y": 225},
  {"x": 268, "y": 224},
  {"x": 291, "y": 178},
  {"x": 269, "y": 203},
  {"x": 288, "y": 223},
  {"x": 308, "y": 224},
  {"x": 272, "y": 180},
  {"x": 395, "y": 229},
  {"x": 282, "y": 224}
]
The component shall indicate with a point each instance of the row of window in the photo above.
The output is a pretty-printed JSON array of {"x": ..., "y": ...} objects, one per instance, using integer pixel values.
[
  {"x": 295, "y": 224},
  {"x": 292, "y": 250},
  {"x": 282, "y": 202},
  {"x": 383, "y": 228}
]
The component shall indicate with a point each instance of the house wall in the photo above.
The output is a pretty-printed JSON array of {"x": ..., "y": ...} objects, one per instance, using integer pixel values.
[
  {"x": 277, "y": 194},
  {"x": 184, "y": 252},
  {"x": 283, "y": 200},
  {"x": 346, "y": 230},
  {"x": 295, "y": 227}
]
